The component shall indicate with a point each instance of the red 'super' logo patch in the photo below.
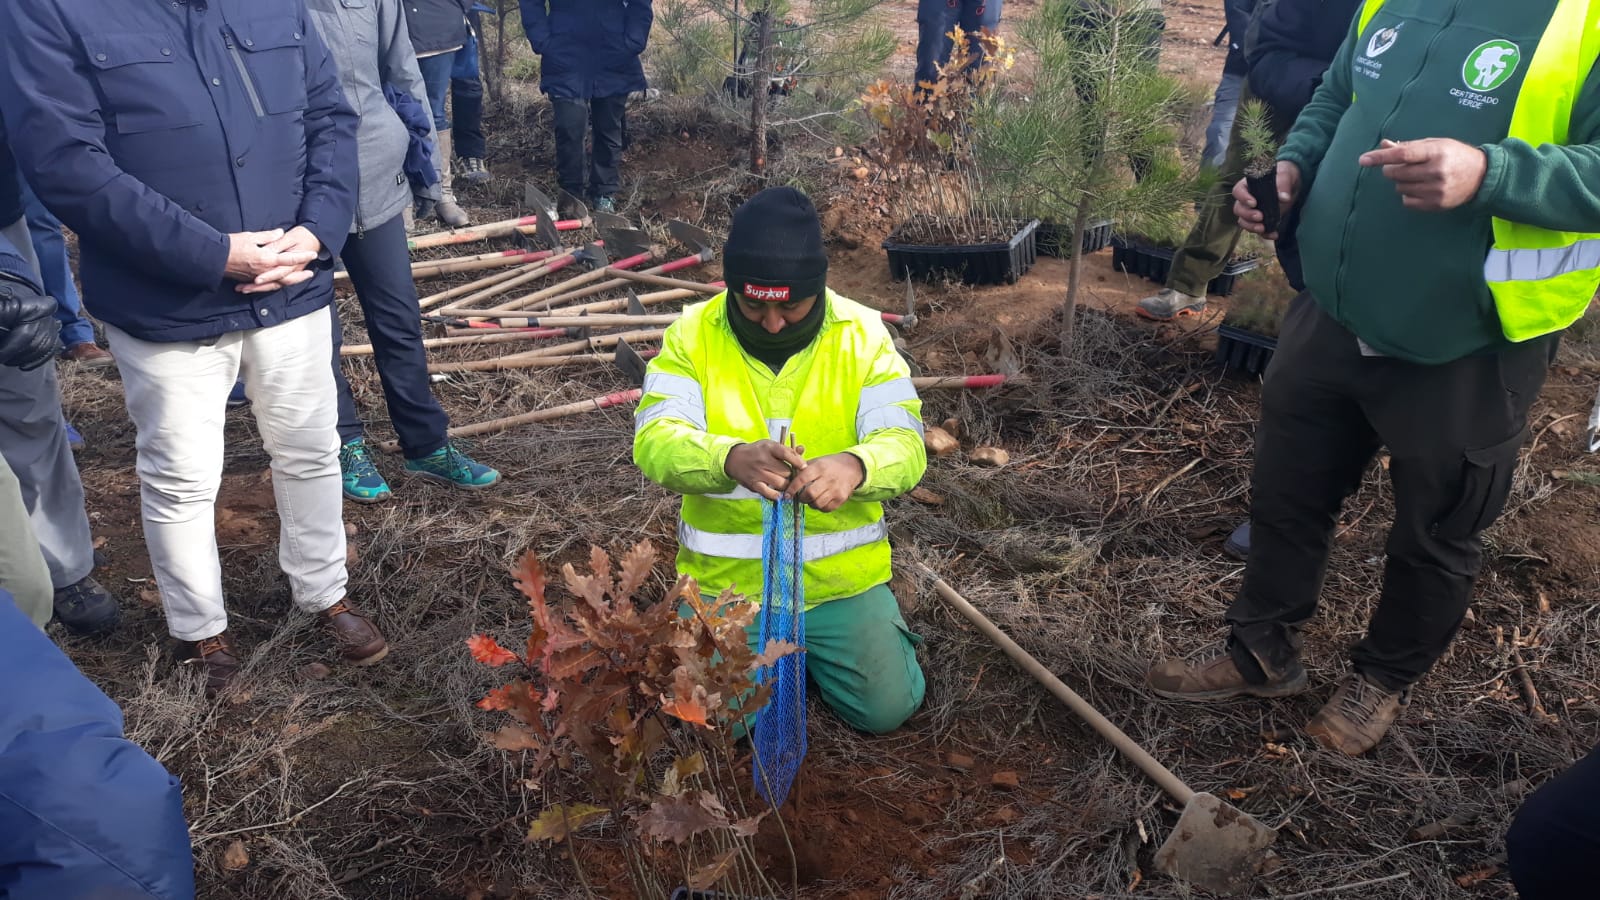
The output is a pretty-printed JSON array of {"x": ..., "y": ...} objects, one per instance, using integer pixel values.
[{"x": 769, "y": 294}]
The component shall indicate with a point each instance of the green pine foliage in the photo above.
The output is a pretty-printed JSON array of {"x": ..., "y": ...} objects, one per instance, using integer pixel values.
[
  {"x": 1256, "y": 135},
  {"x": 1092, "y": 108}
]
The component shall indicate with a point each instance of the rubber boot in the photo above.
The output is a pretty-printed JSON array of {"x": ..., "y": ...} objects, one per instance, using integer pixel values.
[{"x": 448, "y": 210}]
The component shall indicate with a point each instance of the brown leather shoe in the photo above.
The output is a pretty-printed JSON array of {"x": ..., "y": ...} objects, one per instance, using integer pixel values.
[
  {"x": 1211, "y": 674},
  {"x": 359, "y": 641},
  {"x": 89, "y": 354},
  {"x": 216, "y": 657},
  {"x": 1357, "y": 716}
]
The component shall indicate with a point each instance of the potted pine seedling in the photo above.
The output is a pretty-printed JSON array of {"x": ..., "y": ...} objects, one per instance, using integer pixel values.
[{"x": 1260, "y": 161}]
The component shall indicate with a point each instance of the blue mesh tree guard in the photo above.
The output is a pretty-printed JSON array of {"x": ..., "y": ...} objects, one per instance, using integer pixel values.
[{"x": 780, "y": 732}]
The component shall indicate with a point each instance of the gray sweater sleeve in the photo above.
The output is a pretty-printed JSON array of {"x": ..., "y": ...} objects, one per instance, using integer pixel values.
[{"x": 397, "y": 62}]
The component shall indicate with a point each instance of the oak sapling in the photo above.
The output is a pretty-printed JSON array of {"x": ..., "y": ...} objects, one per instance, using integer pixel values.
[{"x": 1260, "y": 161}]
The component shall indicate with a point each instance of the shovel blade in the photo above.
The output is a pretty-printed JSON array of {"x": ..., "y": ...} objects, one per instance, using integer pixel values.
[{"x": 1216, "y": 847}]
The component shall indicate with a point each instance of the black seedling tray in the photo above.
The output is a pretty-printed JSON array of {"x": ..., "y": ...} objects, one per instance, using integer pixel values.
[
  {"x": 973, "y": 263},
  {"x": 1244, "y": 351},
  {"x": 1052, "y": 235},
  {"x": 1155, "y": 263}
]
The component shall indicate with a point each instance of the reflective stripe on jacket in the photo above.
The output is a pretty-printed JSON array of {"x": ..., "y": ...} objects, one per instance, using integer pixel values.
[{"x": 849, "y": 391}]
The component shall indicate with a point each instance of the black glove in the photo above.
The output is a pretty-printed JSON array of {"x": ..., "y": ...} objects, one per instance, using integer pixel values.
[{"x": 29, "y": 333}]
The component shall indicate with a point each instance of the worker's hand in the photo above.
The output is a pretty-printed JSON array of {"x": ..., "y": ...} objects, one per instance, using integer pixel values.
[
  {"x": 1244, "y": 205},
  {"x": 1431, "y": 174},
  {"x": 251, "y": 255},
  {"x": 29, "y": 333},
  {"x": 764, "y": 467},
  {"x": 827, "y": 482},
  {"x": 296, "y": 249}
]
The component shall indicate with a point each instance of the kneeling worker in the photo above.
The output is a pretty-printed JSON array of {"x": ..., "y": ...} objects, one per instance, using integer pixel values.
[{"x": 778, "y": 353}]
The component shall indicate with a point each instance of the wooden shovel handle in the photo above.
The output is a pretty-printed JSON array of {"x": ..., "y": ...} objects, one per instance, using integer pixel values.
[{"x": 1136, "y": 754}]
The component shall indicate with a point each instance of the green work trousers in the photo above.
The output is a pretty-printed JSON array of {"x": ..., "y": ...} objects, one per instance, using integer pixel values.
[
  {"x": 862, "y": 658},
  {"x": 1210, "y": 244},
  {"x": 23, "y": 572}
]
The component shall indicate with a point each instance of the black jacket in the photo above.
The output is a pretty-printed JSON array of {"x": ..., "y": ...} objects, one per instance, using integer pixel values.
[
  {"x": 437, "y": 26},
  {"x": 1296, "y": 42},
  {"x": 1236, "y": 13}
]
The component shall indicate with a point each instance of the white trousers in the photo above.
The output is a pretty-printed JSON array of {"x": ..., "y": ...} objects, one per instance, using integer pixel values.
[{"x": 177, "y": 397}]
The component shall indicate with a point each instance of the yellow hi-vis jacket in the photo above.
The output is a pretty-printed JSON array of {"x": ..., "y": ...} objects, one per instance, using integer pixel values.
[
  {"x": 1542, "y": 280},
  {"x": 849, "y": 391}
]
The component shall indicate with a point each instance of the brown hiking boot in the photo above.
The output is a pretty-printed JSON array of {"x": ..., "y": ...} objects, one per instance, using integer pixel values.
[
  {"x": 89, "y": 354},
  {"x": 1357, "y": 716},
  {"x": 1211, "y": 674},
  {"x": 359, "y": 641},
  {"x": 216, "y": 657}
]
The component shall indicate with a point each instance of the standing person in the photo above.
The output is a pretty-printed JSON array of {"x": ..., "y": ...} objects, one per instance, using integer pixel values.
[
  {"x": 77, "y": 332},
  {"x": 219, "y": 258},
  {"x": 29, "y": 326},
  {"x": 33, "y": 436},
  {"x": 778, "y": 352},
  {"x": 438, "y": 29},
  {"x": 1225, "y": 102},
  {"x": 1290, "y": 44},
  {"x": 1474, "y": 146},
  {"x": 937, "y": 18},
  {"x": 588, "y": 65},
  {"x": 84, "y": 812},
  {"x": 466, "y": 105},
  {"x": 372, "y": 51}
]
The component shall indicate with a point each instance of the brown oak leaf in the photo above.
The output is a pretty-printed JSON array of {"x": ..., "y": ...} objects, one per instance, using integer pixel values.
[
  {"x": 678, "y": 819},
  {"x": 488, "y": 651},
  {"x": 777, "y": 649},
  {"x": 555, "y": 823},
  {"x": 712, "y": 872},
  {"x": 515, "y": 737}
]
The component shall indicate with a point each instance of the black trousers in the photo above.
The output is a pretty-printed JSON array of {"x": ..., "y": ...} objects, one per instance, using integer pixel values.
[
  {"x": 1555, "y": 837},
  {"x": 380, "y": 270},
  {"x": 1453, "y": 433},
  {"x": 573, "y": 118}
]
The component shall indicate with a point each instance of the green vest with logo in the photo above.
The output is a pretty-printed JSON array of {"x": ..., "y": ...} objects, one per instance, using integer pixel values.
[{"x": 1542, "y": 280}]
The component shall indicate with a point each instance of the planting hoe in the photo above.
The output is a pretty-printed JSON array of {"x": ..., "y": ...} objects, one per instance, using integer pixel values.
[{"x": 1214, "y": 846}]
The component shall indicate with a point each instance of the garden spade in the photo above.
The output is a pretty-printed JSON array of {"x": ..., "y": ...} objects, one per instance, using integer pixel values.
[{"x": 1215, "y": 846}]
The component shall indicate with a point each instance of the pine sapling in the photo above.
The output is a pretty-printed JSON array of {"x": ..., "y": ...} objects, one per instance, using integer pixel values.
[{"x": 1260, "y": 160}]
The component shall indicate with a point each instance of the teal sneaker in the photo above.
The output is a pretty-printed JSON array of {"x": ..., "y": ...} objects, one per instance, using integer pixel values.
[
  {"x": 363, "y": 483},
  {"x": 447, "y": 465}
]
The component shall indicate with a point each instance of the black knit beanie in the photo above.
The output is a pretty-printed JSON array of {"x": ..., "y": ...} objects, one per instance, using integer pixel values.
[{"x": 774, "y": 249}]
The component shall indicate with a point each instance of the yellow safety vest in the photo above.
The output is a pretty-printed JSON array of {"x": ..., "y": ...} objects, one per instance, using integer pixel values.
[
  {"x": 1543, "y": 280},
  {"x": 848, "y": 391}
]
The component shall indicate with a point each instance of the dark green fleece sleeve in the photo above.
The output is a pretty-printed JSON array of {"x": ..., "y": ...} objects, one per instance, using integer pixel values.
[
  {"x": 1549, "y": 186},
  {"x": 1313, "y": 132}
]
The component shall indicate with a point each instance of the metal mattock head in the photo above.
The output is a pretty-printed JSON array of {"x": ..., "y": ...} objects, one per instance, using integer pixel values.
[
  {"x": 535, "y": 199},
  {"x": 549, "y": 237},
  {"x": 593, "y": 256},
  {"x": 631, "y": 363},
  {"x": 622, "y": 243},
  {"x": 699, "y": 240}
]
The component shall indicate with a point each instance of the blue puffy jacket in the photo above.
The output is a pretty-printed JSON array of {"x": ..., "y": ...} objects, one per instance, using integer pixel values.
[
  {"x": 84, "y": 814},
  {"x": 588, "y": 48},
  {"x": 156, "y": 129}
]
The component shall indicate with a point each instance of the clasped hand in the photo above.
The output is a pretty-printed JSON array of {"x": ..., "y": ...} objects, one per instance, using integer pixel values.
[
  {"x": 265, "y": 261},
  {"x": 777, "y": 472}
]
